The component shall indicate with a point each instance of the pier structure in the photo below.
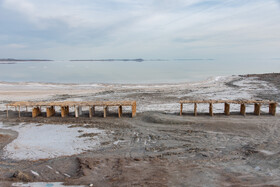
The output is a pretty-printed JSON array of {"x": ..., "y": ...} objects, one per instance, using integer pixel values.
[
  {"x": 66, "y": 105},
  {"x": 257, "y": 106}
]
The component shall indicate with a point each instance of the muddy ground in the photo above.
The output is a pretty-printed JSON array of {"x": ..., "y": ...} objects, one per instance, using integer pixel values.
[{"x": 160, "y": 149}]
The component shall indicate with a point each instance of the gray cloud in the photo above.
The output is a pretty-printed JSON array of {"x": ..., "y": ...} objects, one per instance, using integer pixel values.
[{"x": 147, "y": 28}]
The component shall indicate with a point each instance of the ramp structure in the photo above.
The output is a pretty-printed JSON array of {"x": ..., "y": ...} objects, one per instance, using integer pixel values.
[
  {"x": 257, "y": 106},
  {"x": 65, "y": 106}
]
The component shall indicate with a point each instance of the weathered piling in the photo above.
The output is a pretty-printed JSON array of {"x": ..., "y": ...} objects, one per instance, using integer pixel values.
[
  {"x": 243, "y": 109},
  {"x": 257, "y": 106},
  {"x": 64, "y": 111},
  {"x": 105, "y": 110},
  {"x": 133, "y": 108},
  {"x": 120, "y": 111},
  {"x": 257, "y": 109},
  {"x": 195, "y": 109},
  {"x": 181, "y": 109},
  {"x": 272, "y": 108},
  {"x": 36, "y": 112},
  {"x": 211, "y": 109},
  {"x": 227, "y": 109},
  {"x": 50, "y": 107},
  {"x": 50, "y": 111}
]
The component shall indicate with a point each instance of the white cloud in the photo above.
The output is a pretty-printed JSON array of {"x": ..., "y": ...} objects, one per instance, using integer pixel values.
[
  {"x": 151, "y": 28},
  {"x": 16, "y": 46}
]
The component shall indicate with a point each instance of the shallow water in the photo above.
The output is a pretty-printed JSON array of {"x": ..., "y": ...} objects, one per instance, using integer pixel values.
[{"x": 168, "y": 71}]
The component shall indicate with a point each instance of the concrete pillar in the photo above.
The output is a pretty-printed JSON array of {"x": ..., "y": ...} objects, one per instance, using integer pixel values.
[
  {"x": 105, "y": 111},
  {"x": 181, "y": 109},
  {"x": 7, "y": 108},
  {"x": 50, "y": 111},
  {"x": 133, "y": 110},
  {"x": 227, "y": 109},
  {"x": 26, "y": 110},
  {"x": 36, "y": 112},
  {"x": 195, "y": 109},
  {"x": 257, "y": 110},
  {"x": 211, "y": 109},
  {"x": 120, "y": 111},
  {"x": 272, "y": 109},
  {"x": 243, "y": 109}
]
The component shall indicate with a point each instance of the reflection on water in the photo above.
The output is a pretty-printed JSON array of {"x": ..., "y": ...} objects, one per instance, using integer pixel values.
[{"x": 129, "y": 72}]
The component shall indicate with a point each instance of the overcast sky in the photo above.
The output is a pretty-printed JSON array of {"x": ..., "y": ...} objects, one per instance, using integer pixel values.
[{"x": 71, "y": 29}]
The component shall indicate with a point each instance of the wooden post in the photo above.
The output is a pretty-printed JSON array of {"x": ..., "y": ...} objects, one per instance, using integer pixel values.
[
  {"x": 76, "y": 111},
  {"x": 105, "y": 111},
  {"x": 36, "y": 112},
  {"x": 26, "y": 109},
  {"x": 195, "y": 109},
  {"x": 120, "y": 111},
  {"x": 211, "y": 109},
  {"x": 50, "y": 111},
  {"x": 257, "y": 110},
  {"x": 243, "y": 109},
  {"x": 90, "y": 111},
  {"x": 19, "y": 111},
  {"x": 181, "y": 109},
  {"x": 272, "y": 109},
  {"x": 227, "y": 109},
  {"x": 64, "y": 111},
  {"x": 133, "y": 110},
  {"x": 7, "y": 111}
]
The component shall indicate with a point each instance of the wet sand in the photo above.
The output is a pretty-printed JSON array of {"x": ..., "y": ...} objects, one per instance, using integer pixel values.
[{"x": 159, "y": 147}]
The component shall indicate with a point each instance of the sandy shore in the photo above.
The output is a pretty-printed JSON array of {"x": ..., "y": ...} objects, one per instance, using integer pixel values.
[{"x": 157, "y": 148}]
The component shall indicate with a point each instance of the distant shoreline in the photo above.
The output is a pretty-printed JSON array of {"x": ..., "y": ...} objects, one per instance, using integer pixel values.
[{"x": 23, "y": 60}]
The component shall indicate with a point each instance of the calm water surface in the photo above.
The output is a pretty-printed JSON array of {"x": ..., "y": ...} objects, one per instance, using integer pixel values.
[{"x": 170, "y": 71}]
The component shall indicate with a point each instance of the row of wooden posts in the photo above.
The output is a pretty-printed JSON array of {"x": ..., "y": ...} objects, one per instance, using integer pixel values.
[
  {"x": 257, "y": 106},
  {"x": 65, "y": 107}
]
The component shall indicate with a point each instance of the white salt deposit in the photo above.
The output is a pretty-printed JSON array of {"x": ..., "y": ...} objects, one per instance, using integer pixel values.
[{"x": 48, "y": 141}]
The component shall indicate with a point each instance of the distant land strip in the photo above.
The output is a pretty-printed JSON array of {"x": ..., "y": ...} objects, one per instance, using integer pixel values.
[
  {"x": 21, "y": 60},
  {"x": 110, "y": 60}
]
